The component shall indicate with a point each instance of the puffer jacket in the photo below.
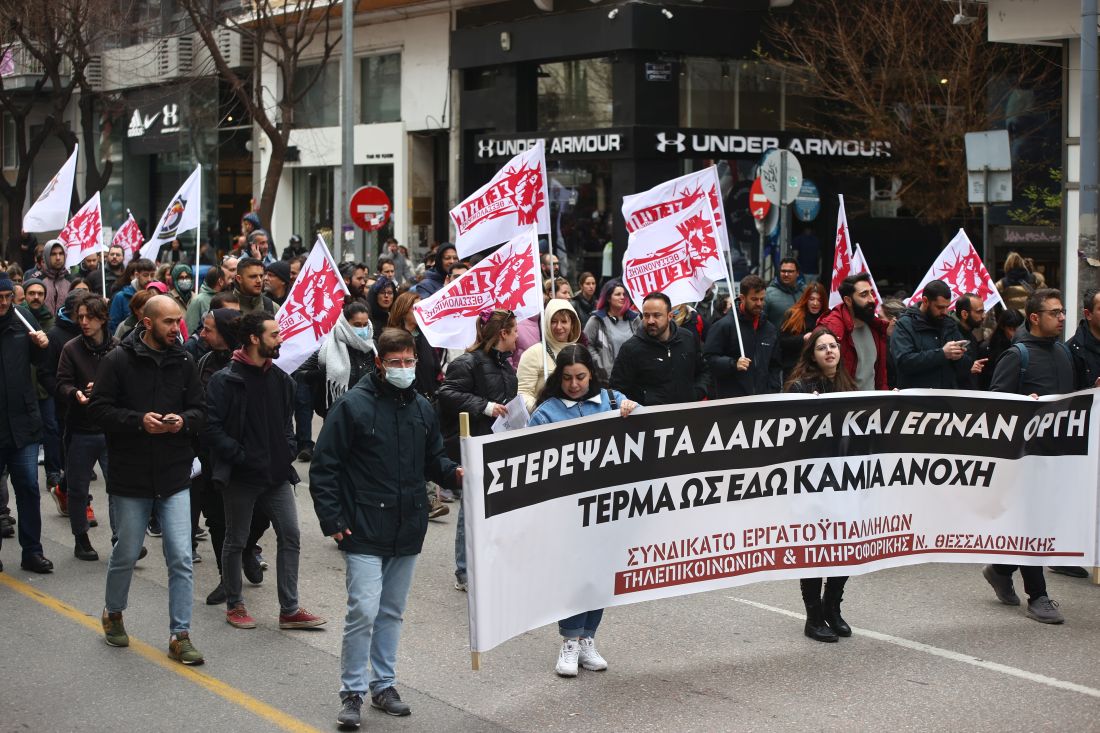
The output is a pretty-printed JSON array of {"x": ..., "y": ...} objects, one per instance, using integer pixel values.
[{"x": 473, "y": 381}]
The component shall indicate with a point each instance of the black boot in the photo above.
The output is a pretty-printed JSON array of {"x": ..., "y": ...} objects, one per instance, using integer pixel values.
[
  {"x": 834, "y": 592},
  {"x": 84, "y": 549},
  {"x": 816, "y": 628}
]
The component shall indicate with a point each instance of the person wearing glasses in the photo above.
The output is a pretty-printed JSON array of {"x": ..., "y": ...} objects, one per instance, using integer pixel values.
[
  {"x": 1038, "y": 363},
  {"x": 784, "y": 291},
  {"x": 929, "y": 349}
]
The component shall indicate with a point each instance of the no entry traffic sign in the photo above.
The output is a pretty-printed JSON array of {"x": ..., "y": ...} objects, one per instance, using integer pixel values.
[
  {"x": 758, "y": 202},
  {"x": 369, "y": 208}
]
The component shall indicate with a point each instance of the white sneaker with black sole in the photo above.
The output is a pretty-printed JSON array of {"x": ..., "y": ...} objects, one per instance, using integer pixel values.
[{"x": 568, "y": 658}]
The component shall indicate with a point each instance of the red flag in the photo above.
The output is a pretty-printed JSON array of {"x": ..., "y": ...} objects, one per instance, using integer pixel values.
[
  {"x": 842, "y": 260},
  {"x": 83, "y": 235},
  {"x": 962, "y": 269},
  {"x": 507, "y": 279},
  {"x": 129, "y": 237},
  {"x": 642, "y": 209},
  {"x": 311, "y": 309},
  {"x": 513, "y": 200}
]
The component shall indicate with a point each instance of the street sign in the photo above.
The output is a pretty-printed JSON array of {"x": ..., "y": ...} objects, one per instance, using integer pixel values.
[
  {"x": 758, "y": 202},
  {"x": 369, "y": 208},
  {"x": 773, "y": 169},
  {"x": 988, "y": 167},
  {"x": 808, "y": 204}
]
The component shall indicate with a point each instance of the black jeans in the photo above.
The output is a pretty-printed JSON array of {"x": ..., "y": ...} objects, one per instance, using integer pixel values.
[
  {"x": 82, "y": 452},
  {"x": 278, "y": 504},
  {"x": 213, "y": 508},
  {"x": 1035, "y": 583}
]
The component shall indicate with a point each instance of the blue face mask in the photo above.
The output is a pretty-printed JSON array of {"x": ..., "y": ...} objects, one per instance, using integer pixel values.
[
  {"x": 401, "y": 377},
  {"x": 363, "y": 332}
]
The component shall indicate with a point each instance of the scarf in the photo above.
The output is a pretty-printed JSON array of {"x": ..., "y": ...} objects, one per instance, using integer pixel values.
[{"x": 334, "y": 358}]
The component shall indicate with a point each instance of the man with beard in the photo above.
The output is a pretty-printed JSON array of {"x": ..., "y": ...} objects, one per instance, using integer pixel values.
[
  {"x": 251, "y": 441},
  {"x": 148, "y": 401},
  {"x": 54, "y": 274},
  {"x": 970, "y": 314},
  {"x": 927, "y": 345},
  {"x": 35, "y": 292},
  {"x": 861, "y": 334},
  {"x": 250, "y": 286},
  {"x": 757, "y": 370},
  {"x": 355, "y": 277},
  {"x": 116, "y": 265}
]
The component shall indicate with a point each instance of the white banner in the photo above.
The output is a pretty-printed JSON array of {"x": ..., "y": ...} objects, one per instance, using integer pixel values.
[
  {"x": 606, "y": 510},
  {"x": 83, "y": 235},
  {"x": 51, "y": 210},
  {"x": 182, "y": 215},
  {"x": 679, "y": 255},
  {"x": 964, "y": 272},
  {"x": 505, "y": 207},
  {"x": 507, "y": 279},
  {"x": 311, "y": 308},
  {"x": 642, "y": 209}
]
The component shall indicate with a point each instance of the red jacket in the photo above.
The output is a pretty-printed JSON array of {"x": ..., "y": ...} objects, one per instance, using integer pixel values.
[{"x": 839, "y": 321}]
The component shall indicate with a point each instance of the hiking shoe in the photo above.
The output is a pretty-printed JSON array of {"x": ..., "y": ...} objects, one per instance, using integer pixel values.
[
  {"x": 182, "y": 650},
  {"x": 1002, "y": 586},
  {"x": 302, "y": 619},
  {"x": 590, "y": 658},
  {"x": 1044, "y": 610},
  {"x": 250, "y": 564},
  {"x": 60, "y": 499},
  {"x": 238, "y": 617},
  {"x": 113, "y": 630},
  {"x": 92, "y": 521},
  {"x": 567, "y": 658},
  {"x": 217, "y": 596},
  {"x": 438, "y": 509},
  {"x": 388, "y": 701},
  {"x": 1070, "y": 570},
  {"x": 350, "y": 715}
]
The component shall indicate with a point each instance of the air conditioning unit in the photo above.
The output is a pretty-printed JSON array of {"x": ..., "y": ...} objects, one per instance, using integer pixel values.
[
  {"x": 235, "y": 49},
  {"x": 93, "y": 72},
  {"x": 175, "y": 57}
]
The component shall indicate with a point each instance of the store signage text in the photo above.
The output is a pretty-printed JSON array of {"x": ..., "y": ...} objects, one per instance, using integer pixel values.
[
  {"x": 686, "y": 142},
  {"x": 488, "y": 147},
  {"x": 168, "y": 117}
]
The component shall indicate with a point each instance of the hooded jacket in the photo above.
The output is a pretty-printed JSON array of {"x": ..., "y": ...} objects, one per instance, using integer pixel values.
[
  {"x": 606, "y": 335},
  {"x": 132, "y": 380},
  {"x": 376, "y": 449},
  {"x": 839, "y": 321},
  {"x": 180, "y": 297},
  {"x": 77, "y": 366},
  {"x": 761, "y": 339},
  {"x": 1086, "y": 356},
  {"x": 58, "y": 282},
  {"x": 20, "y": 421},
  {"x": 530, "y": 373},
  {"x": 379, "y": 318},
  {"x": 197, "y": 307},
  {"x": 780, "y": 298},
  {"x": 653, "y": 372},
  {"x": 917, "y": 348},
  {"x": 120, "y": 307},
  {"x": 435, "y": 277},
  {"x": 1050, "y": 367}
]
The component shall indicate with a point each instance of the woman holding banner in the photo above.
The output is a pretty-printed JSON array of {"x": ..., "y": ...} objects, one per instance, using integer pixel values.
[
  {"x": 574, "y": 389},
  {"x": 611, "y": 325},
  {"x": 819, "y": 370}
]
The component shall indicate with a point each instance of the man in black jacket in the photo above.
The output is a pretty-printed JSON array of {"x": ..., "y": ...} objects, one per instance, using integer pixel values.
[
  {"x": 367, "y": 481},
  {"x": 661, "y": 364},
  {"x": 20, "y": 422},
  {"x": 249, "y": 406},
  {"x": 1046, "y": 369},
  {"x": 758, "y": 370},
  {"x": 1085, "y": 344},
  {"x": 149, "y": 403},
  {"x": 928, "y": 347}
]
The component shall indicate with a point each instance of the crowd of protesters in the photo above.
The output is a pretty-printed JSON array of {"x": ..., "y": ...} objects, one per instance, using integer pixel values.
[{"x": 169, "y": 391}]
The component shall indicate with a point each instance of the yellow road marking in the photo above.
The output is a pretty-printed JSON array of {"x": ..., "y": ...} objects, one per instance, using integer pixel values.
[{"x": 159, "y": 657}]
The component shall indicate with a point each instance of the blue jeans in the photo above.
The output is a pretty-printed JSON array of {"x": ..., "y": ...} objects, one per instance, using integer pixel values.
[
  {"x": 22, "y": 468},
  {"x": 51, "y": 441},
  {"x": 378, "y": 588},
  {"x": 132, "y": 517},
  {"x": 582, "y": 626},
  {"x": 460, "y": 544},
  {"x": 83, "y": 452},
  {"x": 303, "y": 415}
]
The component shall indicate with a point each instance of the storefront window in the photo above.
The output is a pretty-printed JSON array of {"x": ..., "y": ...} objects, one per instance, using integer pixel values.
[
  {"x": 731, "y": 94},
  {"x": 9, "y": 142},
  {"x": 320, "y": 106},
  {"x": 380, "y": 80},
  {"x": 574, "y": 94},
  {"x": 313, "y": 197},
  {"x": 580, "y": 216}
]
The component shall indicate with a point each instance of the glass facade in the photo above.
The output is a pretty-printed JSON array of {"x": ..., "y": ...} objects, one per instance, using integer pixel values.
[
  {"x": 380, "y": 88},
  {"x": 741, "y": 95},
  {"x": 320, "y": 105},
  {"x": 574, "y": 94}
]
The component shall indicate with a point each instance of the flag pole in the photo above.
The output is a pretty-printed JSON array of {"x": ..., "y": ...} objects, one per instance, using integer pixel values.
[
  {"x": 542, "y": 308},
  {"x": 198, "y": 237}
]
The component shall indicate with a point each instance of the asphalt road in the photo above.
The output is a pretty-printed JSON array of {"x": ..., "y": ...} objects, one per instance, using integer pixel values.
[{"x": 932, "y": 650}]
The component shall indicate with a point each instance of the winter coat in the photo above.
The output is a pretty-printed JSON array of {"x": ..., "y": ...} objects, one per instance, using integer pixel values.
[
  {"x": 58, "y": 284},
  {"x": 376, "y": 449},
  {"x": 1086, "y": 356},
  {"x": 197, "y": 308},
  {"x": 76, "y": 367},
  {"x": 780, "y": 298},
  {"x": 132, "y": 380},
  {"x": 584, "y": 308},
  {"x": 764, "y": 375},
  {"x": 1015, "y": 287},
  {"x": 1050, "y": 367},
  {"x": 917, "y": 348},
  {"x": 21, "y": 421},
  {"x": 362, "y": 364},
  {"x": 558, "y": 409},
  {"x": 653, "y": 372},
  {"x": 840, "y": 323},
  {"x": 473, "y": 381},
  {"x": 791, "y": 344},
  {"x": 120, "y": 308},
  {"x": 251, "y": 303},
  {"x": 530, "y": 372},
  {"x": 606, "y": 335}
]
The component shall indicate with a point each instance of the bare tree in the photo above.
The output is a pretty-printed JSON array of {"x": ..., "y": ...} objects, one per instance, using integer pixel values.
[
  {"x": 900, "y": 71},
  {"x": 292, "y": 35}
]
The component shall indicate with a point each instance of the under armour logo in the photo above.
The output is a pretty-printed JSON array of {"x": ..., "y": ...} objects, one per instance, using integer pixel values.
[
  {"x": 171, "y": 114},
  {"x": 663, "y": 142},
  {"x": 484, "y": 148}
]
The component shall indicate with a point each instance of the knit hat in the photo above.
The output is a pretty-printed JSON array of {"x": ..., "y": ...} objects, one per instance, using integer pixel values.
[
  {"x": 252, "y": 219},
  {"x": 280, "y": 270},
  {"x": 6, "y": 285},
  {"x": 32, "y": 281}
]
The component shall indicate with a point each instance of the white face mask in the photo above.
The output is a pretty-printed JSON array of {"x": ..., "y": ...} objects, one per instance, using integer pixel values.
[{"x": 401, "y": 377}]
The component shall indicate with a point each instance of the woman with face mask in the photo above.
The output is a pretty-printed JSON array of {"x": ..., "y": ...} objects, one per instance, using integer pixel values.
[
  {"x": 345, "y": 357},
  {"x": 563, "y": 327},
  {"x": 183, "y": 285}
]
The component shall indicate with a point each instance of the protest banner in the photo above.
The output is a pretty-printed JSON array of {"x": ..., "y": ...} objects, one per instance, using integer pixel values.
[
  {"x": 129, "y": 237},
  {"x": 668, "y": 198},
  {"x": 83, "y": 234},
  {"x": 605, "y": 511},
  {"x": 50, "y": 210},
  {"x": 182, "y": 215},
  {"x": 312, "y": 307},
  {"x": 964, "y": 272}
]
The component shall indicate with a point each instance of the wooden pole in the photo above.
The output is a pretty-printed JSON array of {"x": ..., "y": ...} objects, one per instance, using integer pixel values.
[{"x": 463, "y": 433}]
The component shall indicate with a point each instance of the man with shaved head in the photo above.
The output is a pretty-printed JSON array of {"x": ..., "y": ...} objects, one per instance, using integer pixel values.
[{"x": 148, "y": 400}]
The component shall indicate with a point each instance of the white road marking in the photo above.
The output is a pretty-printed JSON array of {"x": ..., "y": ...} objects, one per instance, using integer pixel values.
[{"x": 944, "y": 653}]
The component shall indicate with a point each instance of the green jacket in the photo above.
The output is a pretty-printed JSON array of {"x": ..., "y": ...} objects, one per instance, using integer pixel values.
[{"x": 196, "y": 309}]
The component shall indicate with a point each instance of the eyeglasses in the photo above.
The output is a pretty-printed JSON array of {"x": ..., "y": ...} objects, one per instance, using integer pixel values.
[
  {"x": 788, "y": 272},
  {"x": 831, "y": 346},
  {"x": 398, "y": 363},
  {"x": 1055, "y": 311}
]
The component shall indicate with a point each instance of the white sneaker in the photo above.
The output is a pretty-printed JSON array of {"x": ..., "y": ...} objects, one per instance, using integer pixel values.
[
  {"x": 567, "y": 658},
  {"x": 590, "y": 658}
]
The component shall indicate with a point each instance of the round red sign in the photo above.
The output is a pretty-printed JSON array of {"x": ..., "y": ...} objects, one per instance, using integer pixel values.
[
  {"x": 758, "y": 202},
  {"x": 369, "y": 208}
]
